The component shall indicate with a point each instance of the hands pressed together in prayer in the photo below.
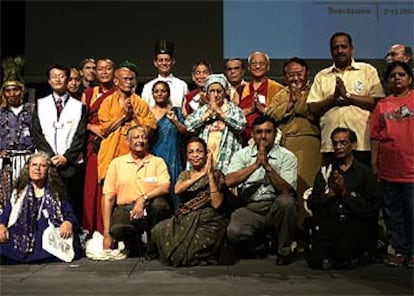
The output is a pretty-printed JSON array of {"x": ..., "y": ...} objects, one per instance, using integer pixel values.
[
  {"x": 295, "y": 93},
  {"x": 262, "y": 160},
  {"x": 339, "y": 186},
  {"x": 341, "y": 95},
  {"x": 128, "y": 111},
  {"x": 213, "y": 111},
  {"x": 209, "y": 167}
]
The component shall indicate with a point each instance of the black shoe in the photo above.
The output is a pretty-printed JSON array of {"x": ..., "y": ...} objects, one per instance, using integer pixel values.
[{"x": 283, "y": 260}]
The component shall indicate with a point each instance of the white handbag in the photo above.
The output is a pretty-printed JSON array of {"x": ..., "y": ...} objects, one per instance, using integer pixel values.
[{"x": 54, "y": 244}]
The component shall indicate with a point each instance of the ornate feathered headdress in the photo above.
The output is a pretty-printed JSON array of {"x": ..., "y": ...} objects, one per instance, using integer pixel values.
[{"x": 12, "y": 72}]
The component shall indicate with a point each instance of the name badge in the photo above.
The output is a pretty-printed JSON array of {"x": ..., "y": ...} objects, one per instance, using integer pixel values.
[
  {"x": 150, "y": 179},
  {"x": 404, "y": 111},
  {"x": 58, "y": 125},
  {"x": 262, "y": 99}
]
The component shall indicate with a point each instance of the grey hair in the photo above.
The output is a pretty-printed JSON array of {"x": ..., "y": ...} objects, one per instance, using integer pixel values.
[{"x": 260, "y": 52}]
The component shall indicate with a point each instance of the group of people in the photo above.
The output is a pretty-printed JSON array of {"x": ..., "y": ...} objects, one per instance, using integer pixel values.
[{"x": 228, "y": 170}]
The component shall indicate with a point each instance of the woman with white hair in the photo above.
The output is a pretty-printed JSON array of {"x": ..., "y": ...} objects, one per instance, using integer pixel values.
[
  {"x": 37, "y": 200},
  {"x": 219, "y": 123}
]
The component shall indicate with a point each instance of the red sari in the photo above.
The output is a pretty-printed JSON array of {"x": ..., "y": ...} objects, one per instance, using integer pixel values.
[{"x": 92, "y": 212}]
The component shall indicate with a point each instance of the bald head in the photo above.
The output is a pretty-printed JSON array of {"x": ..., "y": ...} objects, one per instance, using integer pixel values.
[
  {"x": 399, "y": 53},
  {"x": 125, "y": 80}
]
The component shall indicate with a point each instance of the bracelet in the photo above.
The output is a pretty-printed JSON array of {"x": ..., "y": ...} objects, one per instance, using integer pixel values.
[{"x": 213, "y": 191}]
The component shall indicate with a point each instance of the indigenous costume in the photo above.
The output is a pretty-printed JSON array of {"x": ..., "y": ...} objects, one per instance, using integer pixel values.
[
  {"x": 301, "y": 135},
  {"x": 193, "y": 101},
  {"x": 221, "y": 135},
  {"x": 92, "y": 214},
  {"x": 195, "y": 235},
  {"x": 115, "y": 144},
  {"x": 16, "y": 142},
  {"x": 266, "y": 91},
  {"x": 25, "y": 220}
]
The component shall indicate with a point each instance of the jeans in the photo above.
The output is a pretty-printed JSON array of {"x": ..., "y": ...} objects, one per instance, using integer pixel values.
[{"x": 398, "y": 209}]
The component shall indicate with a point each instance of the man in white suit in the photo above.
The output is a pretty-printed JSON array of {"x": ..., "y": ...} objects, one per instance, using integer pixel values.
[{"x": 59, "y": 129}]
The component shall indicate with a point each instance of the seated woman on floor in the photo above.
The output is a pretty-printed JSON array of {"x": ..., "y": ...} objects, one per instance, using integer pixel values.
[
  {"x": 195, "y": 235},
  {"x": 38, "y": 193}
]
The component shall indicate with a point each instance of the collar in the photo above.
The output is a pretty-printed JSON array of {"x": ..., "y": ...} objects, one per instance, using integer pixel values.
[
  {"x": 16, "y": 110},
  {"x": 168, "y": 79},
  {"x": 65, "y": 97},
  {"x": 304, "y": 89},
  {"x": 138, "y": 162},
  {"x": 353, "y": 66},
  {"x": 243, "y": 82}
]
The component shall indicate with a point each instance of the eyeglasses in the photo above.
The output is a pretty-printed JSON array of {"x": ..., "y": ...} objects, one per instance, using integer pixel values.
[
  {"x": 261, "y": 64},
  {"x": 341, "y": 143}
]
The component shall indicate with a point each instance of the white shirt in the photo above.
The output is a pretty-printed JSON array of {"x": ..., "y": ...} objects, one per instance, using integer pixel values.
[{"x": 178, "y": 89}]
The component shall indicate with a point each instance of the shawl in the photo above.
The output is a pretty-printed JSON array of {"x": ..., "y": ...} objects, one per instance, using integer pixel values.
[{"x": 26, "y": 211}]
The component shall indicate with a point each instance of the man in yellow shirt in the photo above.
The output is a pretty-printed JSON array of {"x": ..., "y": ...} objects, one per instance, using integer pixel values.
[
  {"x": 135, "y": 186},
  {"x": 343, "y": 95}
]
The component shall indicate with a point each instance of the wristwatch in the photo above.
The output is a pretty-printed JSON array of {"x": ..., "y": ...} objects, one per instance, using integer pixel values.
[
  {"x": 145, "y": 198},
  {"x": 348, "y": 95}
]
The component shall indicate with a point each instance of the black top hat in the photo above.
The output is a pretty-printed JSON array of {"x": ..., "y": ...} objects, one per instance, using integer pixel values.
[{"x": 164, "y": 46}]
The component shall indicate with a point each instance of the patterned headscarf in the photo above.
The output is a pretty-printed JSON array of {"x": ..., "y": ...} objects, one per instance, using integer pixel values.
[{"x": 216, "y": 78}]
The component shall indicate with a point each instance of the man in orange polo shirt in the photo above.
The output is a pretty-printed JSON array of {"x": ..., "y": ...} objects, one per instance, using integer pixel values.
[{"x": 135, "y": 186}]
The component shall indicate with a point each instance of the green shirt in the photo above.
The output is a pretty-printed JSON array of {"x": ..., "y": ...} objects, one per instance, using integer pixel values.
[{"x": 257, "y": 186}]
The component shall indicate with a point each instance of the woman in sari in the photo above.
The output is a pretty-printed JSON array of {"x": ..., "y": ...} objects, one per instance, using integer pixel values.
[
  {"x": 167, "y": 144},
  {"x": 38, "y": 191},
  {"x": 195, "y": 235}
]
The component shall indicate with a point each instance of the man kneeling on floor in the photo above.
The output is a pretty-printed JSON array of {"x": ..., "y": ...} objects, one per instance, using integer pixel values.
[
  {"x": 345, "y": 207},
  {"x": 265, "y": 174},
  {"x": 135, "y": 185}
]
